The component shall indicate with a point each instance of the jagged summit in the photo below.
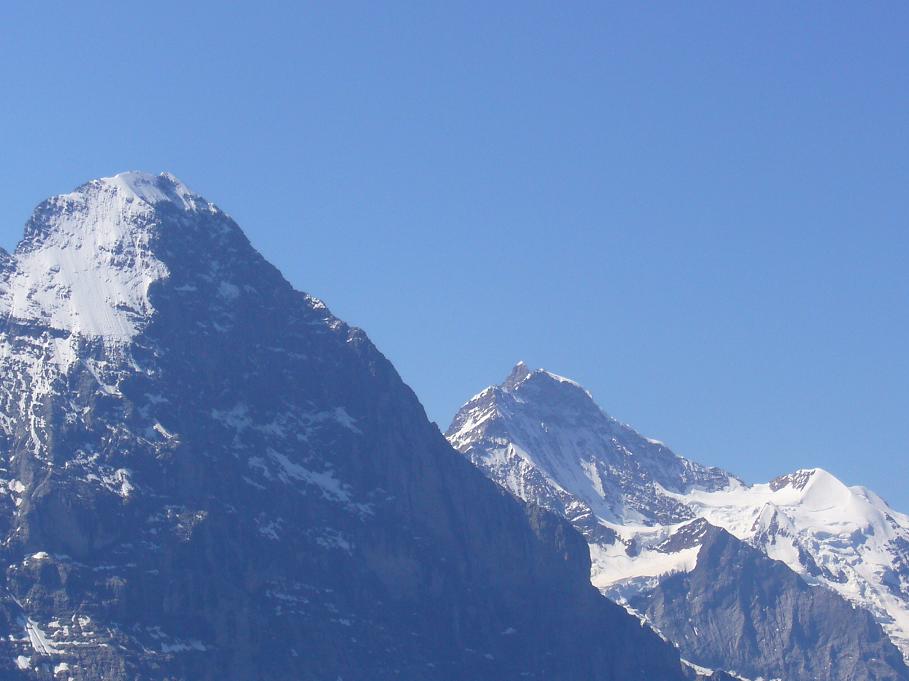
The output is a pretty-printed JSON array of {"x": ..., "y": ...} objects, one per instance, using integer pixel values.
[
  {"x": 90, "y": 259},
  {"x": 521, "y": 373},
  {"x": 543, "y": 431}
]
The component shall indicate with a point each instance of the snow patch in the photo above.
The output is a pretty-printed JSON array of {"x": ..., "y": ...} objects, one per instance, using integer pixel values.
[
  {"x": 331, "y": 487},
  {"x": 38, "y": 638},
  {"x": 87, "y": 265}
]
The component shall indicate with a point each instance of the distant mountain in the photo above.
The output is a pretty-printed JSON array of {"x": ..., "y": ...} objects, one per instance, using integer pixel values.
[
  {"x": 737, "y": 608},
  {"x": 652, "y": 517},
  {"x": 205, "y": 475}
]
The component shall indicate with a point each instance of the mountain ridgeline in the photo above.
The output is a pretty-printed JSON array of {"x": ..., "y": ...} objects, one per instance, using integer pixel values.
[
  {"x": 799, "y": 578},
  {"x": 205, "y": 475}
]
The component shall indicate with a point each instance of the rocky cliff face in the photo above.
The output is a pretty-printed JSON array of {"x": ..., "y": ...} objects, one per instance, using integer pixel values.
[
  {"x": 648, "y": 514},
  {"x": 205, "y": 475},
  {"x": 738, "y": 609}
]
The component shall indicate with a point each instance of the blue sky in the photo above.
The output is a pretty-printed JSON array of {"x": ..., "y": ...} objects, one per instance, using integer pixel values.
[{"x": 698, "y": 210}]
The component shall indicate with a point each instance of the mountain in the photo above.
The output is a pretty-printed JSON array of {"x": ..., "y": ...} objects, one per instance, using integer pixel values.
[
  {"x": 652, "y": 518},
  {"x": 205, "y": 475},
  {"x": 739, "y": 608},
  {"x": 552, "y": 426}
]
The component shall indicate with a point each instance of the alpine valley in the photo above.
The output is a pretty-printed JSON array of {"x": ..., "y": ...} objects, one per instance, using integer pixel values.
[
  {"x": 207, "y": 476},
  {"x": 799, "y": 578}
]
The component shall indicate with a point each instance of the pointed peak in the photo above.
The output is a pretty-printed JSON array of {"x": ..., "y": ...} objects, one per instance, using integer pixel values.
[
  {"x": 518, "y": 374},
  {"x": 521, "y": 374}
]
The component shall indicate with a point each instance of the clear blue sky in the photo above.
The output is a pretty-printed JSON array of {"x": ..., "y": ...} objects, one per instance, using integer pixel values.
[{"x": 698, "y": 210}]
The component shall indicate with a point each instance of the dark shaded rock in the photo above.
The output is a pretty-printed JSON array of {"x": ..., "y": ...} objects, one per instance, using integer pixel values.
[
  {"x": 236, "y": 485},
  {"x": 739, "y": 609}
]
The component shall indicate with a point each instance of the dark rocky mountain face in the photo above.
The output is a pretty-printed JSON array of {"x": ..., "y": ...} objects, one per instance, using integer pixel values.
[
  {"x": 741, "y": 610},
  {"x": 205, "y": 475}
]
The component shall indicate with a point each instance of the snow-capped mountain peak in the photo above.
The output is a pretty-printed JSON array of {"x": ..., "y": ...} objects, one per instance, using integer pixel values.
[
  {"x": 87, "y": 260},
  {"x": 152, "y": 189},
  {"x": 845, "y": 537},
  {"x": 544, "y": 432},
  {"x": 544, "y": 438},
  {"x": 521, "y": 374}
]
